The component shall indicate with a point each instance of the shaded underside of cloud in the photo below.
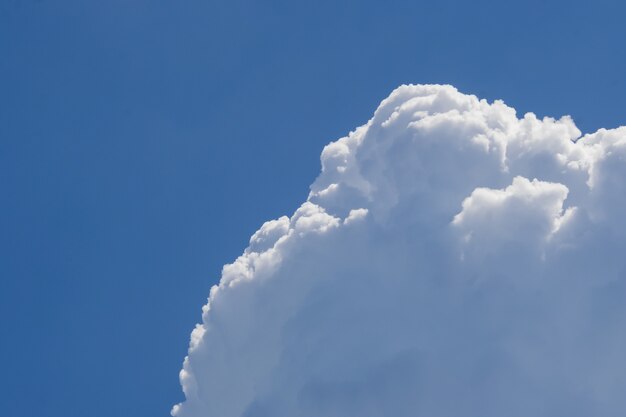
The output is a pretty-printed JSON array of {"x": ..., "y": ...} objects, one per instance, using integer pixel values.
[{"x": 451, "y": 259}]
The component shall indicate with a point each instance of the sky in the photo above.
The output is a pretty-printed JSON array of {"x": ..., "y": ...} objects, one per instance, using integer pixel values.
[{"x": 142, "y": 143}]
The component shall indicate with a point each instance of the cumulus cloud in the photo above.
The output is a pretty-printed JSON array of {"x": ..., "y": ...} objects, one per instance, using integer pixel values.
[{"x": 451, "y": 259}]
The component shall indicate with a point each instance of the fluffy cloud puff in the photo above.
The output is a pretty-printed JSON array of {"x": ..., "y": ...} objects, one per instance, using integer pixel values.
[{"x": 451, "y": 260}]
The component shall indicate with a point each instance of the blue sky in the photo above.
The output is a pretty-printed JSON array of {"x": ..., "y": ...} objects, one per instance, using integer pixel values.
[{"x": 142, "y": 142}]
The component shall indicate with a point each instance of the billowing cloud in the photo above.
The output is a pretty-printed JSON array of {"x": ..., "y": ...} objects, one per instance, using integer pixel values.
[{"x": 451, "y": 260}]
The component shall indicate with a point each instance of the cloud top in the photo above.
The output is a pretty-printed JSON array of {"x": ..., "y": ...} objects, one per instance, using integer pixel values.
[{"x": 451, "y": 259}]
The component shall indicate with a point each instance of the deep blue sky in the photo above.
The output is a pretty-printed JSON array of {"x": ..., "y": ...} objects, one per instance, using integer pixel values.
[{"x": 142, "y": 142}]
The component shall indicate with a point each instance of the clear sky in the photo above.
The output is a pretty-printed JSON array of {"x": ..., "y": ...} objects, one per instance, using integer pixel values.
[{"x": 142, "y": 142}]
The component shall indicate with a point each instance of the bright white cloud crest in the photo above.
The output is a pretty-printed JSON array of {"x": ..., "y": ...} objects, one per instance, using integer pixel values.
[{"x": 451, "y": 260}]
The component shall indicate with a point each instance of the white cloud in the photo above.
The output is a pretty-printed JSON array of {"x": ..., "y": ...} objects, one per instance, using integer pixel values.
[{"x": 451, "y": 260}]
